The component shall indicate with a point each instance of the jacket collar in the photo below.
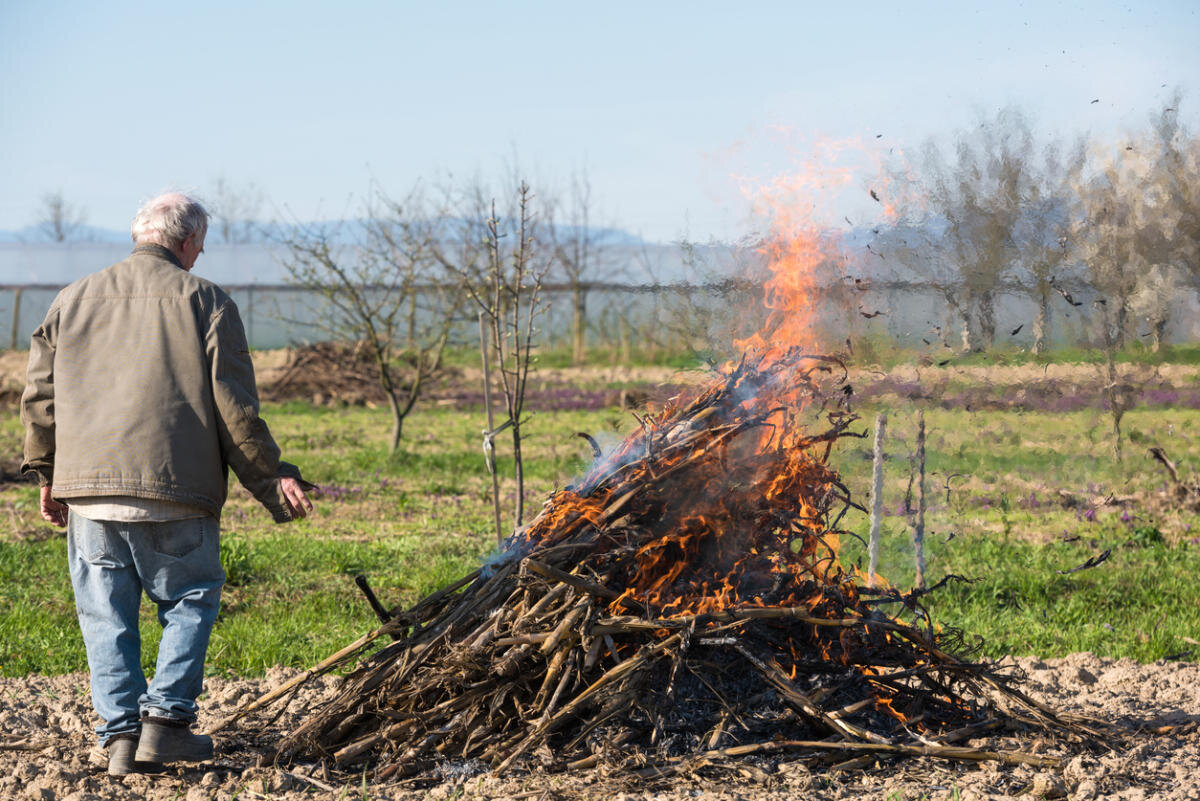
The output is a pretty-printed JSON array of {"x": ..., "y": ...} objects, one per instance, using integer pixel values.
[{"x": 152, "y": 249}]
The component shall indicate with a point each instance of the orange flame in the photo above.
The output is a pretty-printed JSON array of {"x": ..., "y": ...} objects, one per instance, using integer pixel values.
[{"x": 722, "y": 500}]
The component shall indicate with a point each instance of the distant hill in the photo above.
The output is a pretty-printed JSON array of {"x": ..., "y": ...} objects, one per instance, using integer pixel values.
[{"x": 86, "y": 233}]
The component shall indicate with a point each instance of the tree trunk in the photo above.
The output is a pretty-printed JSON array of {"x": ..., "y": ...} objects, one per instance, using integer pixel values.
[
  {"x": 397, "y": 424},
  {"x": 579, "y": 324},
  {"x": 519, "y": 469},
  {"x": 919, "y": 528},
  {"x": 488, "y": 443},
  {"x": 389, "y": 389},
  {"x": 1158, "y": 333},
  {"x": 876, "y": 499},
  {"x": 987, "y": 321},
  {"x": 1121, "y": 332},
  {"x": 968, "y": 341},
  {"x": 1042, "y": 321}
]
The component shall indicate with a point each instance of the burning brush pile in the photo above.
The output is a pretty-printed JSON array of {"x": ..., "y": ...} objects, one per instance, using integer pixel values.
[{"x": 682, "y": 603}]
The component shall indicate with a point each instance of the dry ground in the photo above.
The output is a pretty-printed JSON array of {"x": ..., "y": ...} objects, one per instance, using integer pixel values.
[
  {"x": 45, "y": 722},
  {"x": 45, "y": 735}
]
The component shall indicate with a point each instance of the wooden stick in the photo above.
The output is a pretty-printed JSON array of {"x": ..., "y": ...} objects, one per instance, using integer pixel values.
[
  {"x": 1161, "y": 457},
  {"x": 799, "y": 701},
  {"x": 578, "y": 582},
  {"x": 25, "y": 744},
  {"x": 325, "y": 664},
  {"x": 941, "y": 752},
  {"x": 876, "y": 499},
  {"x": 919, "y": 528},
  {"x": 329, "y": 788},
  {"x": 549, "y": 724},
  {"x": 566, "y": 626}
]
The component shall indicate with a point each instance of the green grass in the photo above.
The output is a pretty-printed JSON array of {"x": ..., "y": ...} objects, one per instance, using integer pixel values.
[
  {"x": 420, "y": 519},
  {"x": 1142, "y": 602},
  {"x": 884, "y": 351}
]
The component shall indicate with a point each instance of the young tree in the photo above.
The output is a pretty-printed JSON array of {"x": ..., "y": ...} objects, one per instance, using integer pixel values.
[
  {"x": 509, "y": 299},
  {"x": 58, "y": 220},
  {"x": 381, "y": 286}
]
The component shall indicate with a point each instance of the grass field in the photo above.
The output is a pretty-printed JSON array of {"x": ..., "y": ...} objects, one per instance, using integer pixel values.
[{"x": 1015, "y": 498}]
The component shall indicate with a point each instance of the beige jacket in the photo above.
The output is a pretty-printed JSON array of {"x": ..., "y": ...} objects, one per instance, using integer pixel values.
[{"x": 140, "y": 384}]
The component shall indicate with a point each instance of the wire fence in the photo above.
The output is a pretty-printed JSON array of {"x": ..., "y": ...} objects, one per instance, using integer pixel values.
[{"x": 699, "y": 316}]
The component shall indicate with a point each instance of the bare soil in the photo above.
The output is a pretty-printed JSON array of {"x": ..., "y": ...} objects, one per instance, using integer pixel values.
[{"x": 47, "y": 752}]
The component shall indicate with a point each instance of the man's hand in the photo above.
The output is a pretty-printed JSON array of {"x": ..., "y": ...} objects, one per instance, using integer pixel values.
[
  {"x": 53, "y": 511},
  {"x": 298, "y": 503}
]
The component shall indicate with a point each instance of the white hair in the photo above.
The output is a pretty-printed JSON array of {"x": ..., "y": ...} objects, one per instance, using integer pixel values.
[{"x": 169, "y": 219}]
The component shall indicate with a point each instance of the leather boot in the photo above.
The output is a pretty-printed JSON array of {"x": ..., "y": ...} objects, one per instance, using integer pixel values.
[
  {"x": 166, "y": 740},
  {"x": 120, "y": 750}
]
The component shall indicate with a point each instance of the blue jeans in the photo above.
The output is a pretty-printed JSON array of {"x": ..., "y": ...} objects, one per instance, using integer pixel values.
[{"x": 178, "y": 564}]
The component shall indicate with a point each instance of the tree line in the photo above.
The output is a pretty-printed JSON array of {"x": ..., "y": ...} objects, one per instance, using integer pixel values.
[{"x": 1002, "y": 209}]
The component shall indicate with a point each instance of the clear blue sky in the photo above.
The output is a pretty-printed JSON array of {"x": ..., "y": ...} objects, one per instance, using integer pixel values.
[{"x": 660, "y": 101}]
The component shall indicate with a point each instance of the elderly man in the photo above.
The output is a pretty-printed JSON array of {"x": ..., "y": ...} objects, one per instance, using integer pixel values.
[{"x": 140, "y": 397}]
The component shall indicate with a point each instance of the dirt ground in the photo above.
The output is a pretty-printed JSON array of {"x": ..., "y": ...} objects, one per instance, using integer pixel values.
[
  {"x": 46, "y": 745},
  {"x": 345, "y": 380}
]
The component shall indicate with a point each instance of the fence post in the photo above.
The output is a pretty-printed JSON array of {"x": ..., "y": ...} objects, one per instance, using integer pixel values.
[
  {"x": 579, "y": 324},
  {"x": 876, "y": 500},
  {"x": 919, "y": 528},
  {"x": 250, "y": 316},
  {"x": 16, "y": 318}
]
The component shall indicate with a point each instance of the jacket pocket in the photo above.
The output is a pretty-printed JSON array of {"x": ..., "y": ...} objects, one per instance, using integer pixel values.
[{"x": 180, "y": 538}]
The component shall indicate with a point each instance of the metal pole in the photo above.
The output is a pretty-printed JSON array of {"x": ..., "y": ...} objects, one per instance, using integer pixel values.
[
  {"x": 919, "y": 529},
  {"x": 876, "y": 500},
  {"x": 488, "y": 443}
]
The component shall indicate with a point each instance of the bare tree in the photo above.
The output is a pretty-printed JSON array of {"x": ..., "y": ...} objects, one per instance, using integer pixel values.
[
  {"x": 236, "y": 211},
  {"x": 1116, "y": 240},
  {"x": 1177, "y": 176},
  {"x": 59, "y": 220},
  {"x": 581, "y": 253},
  {"x": 1168, "y": 209},
  {"x": 1043, "y": 230},
  {"x": 1127, "y": 241},
  {"x": 384, "y": 290},
  {"x": 966, "y": 221},
  {"x": 510, "y": 301}
]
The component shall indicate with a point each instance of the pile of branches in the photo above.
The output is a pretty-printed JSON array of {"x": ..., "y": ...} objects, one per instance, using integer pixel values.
[
  {"x": 682, "y": 603},
  {"x": 329, "y": 372}
]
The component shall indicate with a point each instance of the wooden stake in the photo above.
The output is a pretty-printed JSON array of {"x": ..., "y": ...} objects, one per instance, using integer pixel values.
[
  {"x": 919, "y": 528},
  {"x": 876, "y": 499},
  {"x": 16, "y": 319},
  {"x": 488, "y": 441}
]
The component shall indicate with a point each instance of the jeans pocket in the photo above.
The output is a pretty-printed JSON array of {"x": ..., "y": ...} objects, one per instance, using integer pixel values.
[
  {"x": 92, "y": 541},
  {"x": 180, "y": 538}
]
